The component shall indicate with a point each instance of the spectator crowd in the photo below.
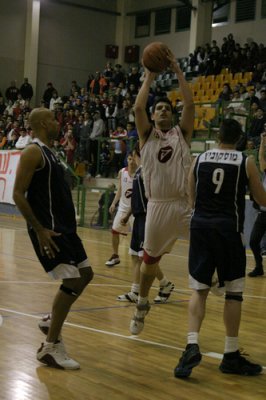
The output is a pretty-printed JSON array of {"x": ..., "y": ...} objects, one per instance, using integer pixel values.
[{"x": 103, "y": 107}]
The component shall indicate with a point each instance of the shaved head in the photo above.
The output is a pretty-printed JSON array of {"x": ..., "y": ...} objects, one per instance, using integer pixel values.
[{"x": 37, "y": 116}]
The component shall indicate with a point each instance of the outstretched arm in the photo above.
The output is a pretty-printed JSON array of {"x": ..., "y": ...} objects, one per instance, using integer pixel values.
[
  {"x": 188, "y": 113},
  {"x": 262, "y": 149},
  {"x": 142, "y": 122}
]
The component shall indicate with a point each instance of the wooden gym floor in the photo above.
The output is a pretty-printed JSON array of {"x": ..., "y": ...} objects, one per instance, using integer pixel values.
[{"x": 115, "y": 365}]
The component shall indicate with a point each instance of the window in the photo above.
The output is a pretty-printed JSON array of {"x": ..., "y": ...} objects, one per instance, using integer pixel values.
[
  {"x": 245, "y": 10},
  {"x": 142, "y": 25},
  {"x": 183, "y": 18},
  {"x": 220, "y": 11},
  {"x": 263, "y": 8},
  {"x": 162, "y": 21}
]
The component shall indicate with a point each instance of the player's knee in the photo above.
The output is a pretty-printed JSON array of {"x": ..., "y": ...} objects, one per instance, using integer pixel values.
[
  {"x": 234, "y": 296},
  {"x": 86, "y": 275},
  {"x": 148, "y": 269},
  {"x": 149, "y": 260},
  {"x": 69, "y": 291}
]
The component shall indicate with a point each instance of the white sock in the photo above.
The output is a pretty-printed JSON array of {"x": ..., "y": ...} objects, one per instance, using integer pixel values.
[
  {"x": 231, "y": 344},
  {"x": 135, "y": 287},
  {"x": 142, "y": 300},
  {"x": 192, "y": 338},
  {"x": 163, "y": 282}
]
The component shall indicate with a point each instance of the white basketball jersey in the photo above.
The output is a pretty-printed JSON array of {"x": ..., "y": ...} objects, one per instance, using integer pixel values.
[
  {"x": 166, "y": 161},
  {"x": 126, "y": 190}
]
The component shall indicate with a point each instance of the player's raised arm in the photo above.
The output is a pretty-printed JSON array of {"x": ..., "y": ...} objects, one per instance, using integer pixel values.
[
  {"x": 187, "y": 118},
  {"x": 142, "y": 122},
  {"x": 255, "y": 184}
]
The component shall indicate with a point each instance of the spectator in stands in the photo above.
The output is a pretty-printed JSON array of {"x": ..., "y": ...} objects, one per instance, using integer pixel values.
[
  {"x": 23, "y": 140},
  {"x": 3, "y": 140},
  {"x": 262, "y": 101},
  {"x": 69, "y": 145},
  {"x": 12, "y": 92},
  {"x": 26, "y": 90},
  {"x": 257, "y": 127},
  {"x": 98, "y": 131},
  {"x": 225, "y": 95},
  {"x": 48, "y": 94},
  {"x": 252, "y": 98},
  {"x": 105, "y": 160},
  {"x": 11, "y": 144},
  {"x": 98, "y": 84},
  {"x": 9, "y": 108},
  {"x": 2, "y": 105},
  {"x": 122, "y": 115},
  {"x": 110, "y": 113},
  {"x": 134, "y": 78},
  {"x": 236, "y": 104},
  {"x": 118, "y": 75},
  {"x": 55, "y": 99},
  {"x": 119, "y": 146}
]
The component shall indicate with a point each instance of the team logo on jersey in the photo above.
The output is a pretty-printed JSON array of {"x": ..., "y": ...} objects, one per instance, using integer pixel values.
[
  {"x": 165, "y": 154},
  {"x": 128, "y": 193}
]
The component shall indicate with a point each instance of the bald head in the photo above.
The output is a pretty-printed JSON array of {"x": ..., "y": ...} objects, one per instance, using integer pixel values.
[{"x": 43, "y": 123}]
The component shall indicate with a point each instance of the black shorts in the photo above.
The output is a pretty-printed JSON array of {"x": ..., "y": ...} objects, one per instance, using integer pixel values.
[
  {"x": 71, "y": 251},
  {"x": 138, "y": 232},
  {"x": 212, "y": 249}
]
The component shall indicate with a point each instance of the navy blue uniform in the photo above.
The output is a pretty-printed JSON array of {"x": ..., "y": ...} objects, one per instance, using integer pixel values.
[
  {"x": 139, "y": 209},
  {"x": 51, "y": 201},
  {"x": 218, "y": 219}
]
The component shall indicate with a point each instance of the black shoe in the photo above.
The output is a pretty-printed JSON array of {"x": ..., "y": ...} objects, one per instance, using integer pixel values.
[
  {"x": 191, "y": 357},
  {"x": 234, "y": 363},
  {"x": 256, "y": 272}
]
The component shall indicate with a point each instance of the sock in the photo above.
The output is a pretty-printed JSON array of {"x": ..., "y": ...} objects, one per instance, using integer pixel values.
[
  {"x": 231, "y": 344},
  {"x": 163, "y": 282},
  {"x": 192, "y": 338},
  {"x": 142, "y": 300},
  {"x": 135, "y": 288}
]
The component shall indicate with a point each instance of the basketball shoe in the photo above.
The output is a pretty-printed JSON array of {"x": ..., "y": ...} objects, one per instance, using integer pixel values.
[
  {"x": 164, "y": 293},
  {"x": 235, "y": 363},
  {"x": 137, "y": 322},
  {"x": 191, "y": 357},
  {"x": 113, "y": 260},
  {"x": 130, "y": 296},
  {"x": 54, "y": 355}
]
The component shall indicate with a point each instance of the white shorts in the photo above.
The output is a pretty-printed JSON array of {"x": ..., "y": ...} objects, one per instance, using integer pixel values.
[
  {"x": 236, "y": 285},
  {"x": 166, "y": 222},
  {"x": 118, "y": 227}
]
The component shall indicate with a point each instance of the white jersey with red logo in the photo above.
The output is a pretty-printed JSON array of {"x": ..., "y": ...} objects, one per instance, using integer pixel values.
[
  {"x": 126, "y": 190},
  {"x": 166, "y": 161}
]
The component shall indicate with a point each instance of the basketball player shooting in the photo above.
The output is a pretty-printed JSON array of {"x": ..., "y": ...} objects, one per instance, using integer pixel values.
[{"x": 165, "y": 156}]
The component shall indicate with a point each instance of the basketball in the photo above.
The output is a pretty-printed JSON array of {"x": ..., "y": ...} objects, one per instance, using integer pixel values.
[{"x": 154, "y": 57}]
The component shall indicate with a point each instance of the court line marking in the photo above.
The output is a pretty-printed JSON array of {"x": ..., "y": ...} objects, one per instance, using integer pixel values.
[{"x": 119, "y": 335}]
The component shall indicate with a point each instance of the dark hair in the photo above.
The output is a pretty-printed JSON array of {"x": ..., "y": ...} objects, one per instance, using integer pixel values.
[
  {"x": 137, "y": 149},
  {"x": 161, "y": 100},
  {"x": 230, "y": 131}
]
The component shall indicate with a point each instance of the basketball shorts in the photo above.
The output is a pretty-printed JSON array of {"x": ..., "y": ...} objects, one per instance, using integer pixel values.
[
  {"x": 166, "y": 222},
  {"x": 137, "y": 238},
  {"x": 213, "y": 250},
  {"x": 67, "y": 262},
  {"x": 118, "y": 227}
]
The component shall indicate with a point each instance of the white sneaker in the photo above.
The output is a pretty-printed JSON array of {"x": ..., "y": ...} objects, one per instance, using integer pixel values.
[
  {"x": 164, "y": 293},
  {"x": 113, "y": 260},
  {"x": 137, "y": 322},
  {"x": 130, "y": 296},
  {"x": 53, "y": 355}
]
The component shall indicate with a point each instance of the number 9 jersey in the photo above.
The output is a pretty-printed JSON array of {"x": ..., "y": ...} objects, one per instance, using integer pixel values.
[{"x": 220, "y": 187}]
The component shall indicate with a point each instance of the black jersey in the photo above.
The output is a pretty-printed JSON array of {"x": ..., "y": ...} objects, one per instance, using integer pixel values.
[
  {"x": 221, "y": 181},
  {"x": 138, "y": 199},
  {"x": 49, "y": 194}
]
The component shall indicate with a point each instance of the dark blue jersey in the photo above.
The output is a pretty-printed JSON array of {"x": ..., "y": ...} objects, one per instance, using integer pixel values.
[
  {"x": 220, "y": 188},
  {"x": 138, "y": 199},
  {"x": 49, "y": 194}
]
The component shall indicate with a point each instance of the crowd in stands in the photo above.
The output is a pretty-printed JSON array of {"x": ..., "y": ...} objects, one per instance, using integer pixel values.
[{"x": 103, "y": 107}]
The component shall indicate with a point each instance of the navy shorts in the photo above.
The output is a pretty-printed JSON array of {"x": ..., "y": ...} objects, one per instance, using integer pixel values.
[
  {"x": 71, "y": 251},
  {"x": 213, "y": 249},
  {"x": 138, "y": 232}
]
